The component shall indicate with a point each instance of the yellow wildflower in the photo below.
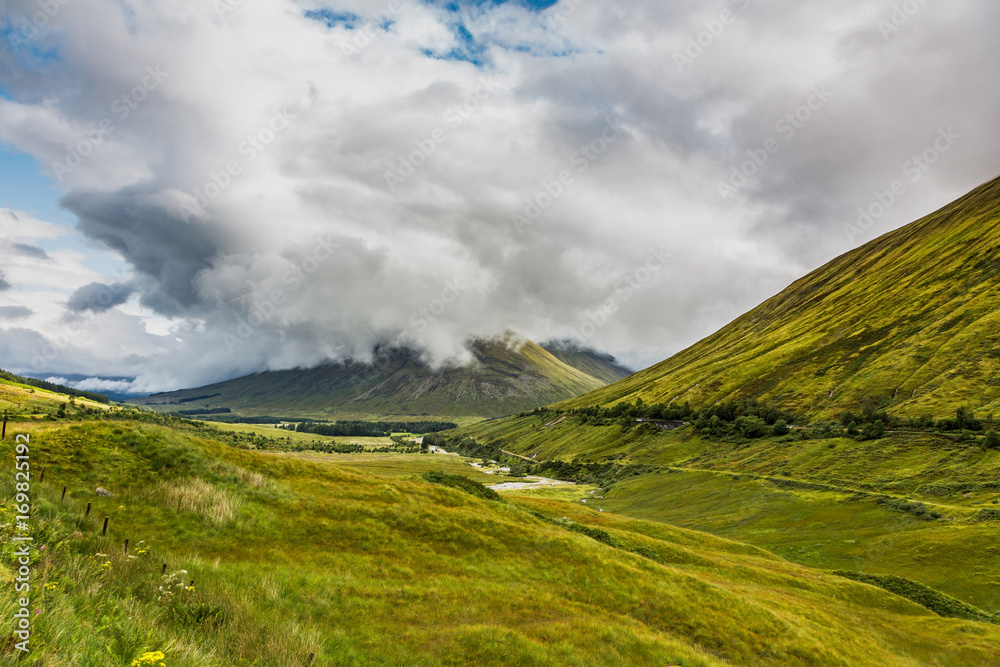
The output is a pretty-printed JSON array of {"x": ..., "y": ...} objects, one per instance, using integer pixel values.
[{"x": 150, "y": 658}]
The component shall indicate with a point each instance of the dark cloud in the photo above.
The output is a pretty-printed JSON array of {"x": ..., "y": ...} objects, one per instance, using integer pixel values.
[
  {"x": 14, "y": 312},
  {"x": 159, "y": 243},
  {"x": 30, "y": 250},
  {"x": 97, "y": 297},
  {"x": 4, "y": 285}
]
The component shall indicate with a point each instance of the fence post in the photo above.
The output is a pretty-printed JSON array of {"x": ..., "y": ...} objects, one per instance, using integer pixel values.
[{"x": 105, "y": 530}]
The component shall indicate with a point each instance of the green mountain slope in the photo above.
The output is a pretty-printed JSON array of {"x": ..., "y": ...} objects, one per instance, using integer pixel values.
[
  {"x": 602, "y": 366},
  {"x": 910, "y": 320},
  {"x": 240, "y": 557},
  {"x": 509, "y": 375}
]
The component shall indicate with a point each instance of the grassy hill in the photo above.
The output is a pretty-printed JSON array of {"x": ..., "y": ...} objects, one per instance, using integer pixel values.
[
  {"x": 30, "y": 400},
  {"x": 596, "y": 364},
  {"x": 240, "y": 557},
  {"x": 909, "y": 321},
  {"x": 920, "y": 505},
  {"x": 507, "y": 376}
]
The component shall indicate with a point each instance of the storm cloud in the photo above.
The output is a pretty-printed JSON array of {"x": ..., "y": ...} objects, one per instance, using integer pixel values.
[
  {"x": 98, "y": 297},
  {"x": 290, "y": 182}
]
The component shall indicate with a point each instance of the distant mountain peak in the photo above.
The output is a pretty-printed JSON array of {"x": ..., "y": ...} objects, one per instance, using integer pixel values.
[{"x": 509, "y": 374}]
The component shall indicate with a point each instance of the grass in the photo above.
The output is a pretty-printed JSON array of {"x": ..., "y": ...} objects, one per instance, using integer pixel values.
[
  {"x": 292, "y": 556},
  {"x": 26, "y": 401},
  {"x": 814, "y": 502}
]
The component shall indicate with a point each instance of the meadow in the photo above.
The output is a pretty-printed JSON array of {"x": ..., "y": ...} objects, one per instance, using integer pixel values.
[
  {"x": 825, "y": 502},
  {"x": 244, "y": 556},
  {"x": 275, "y": 557}
]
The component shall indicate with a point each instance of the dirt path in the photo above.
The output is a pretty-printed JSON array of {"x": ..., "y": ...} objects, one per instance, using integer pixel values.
[{"x": 517, "y": 455}]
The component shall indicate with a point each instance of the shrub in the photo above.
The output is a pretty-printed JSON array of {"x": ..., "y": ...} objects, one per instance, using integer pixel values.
[
  {"x": 915, "y": 508},
  {"x": 873, "y": 431},
  {"x": 780, "y": 428},
  {"x": 938, "y": 602},
  {"x": 992, "y": 440},
  {"x": 989, "y": 514},
  {"x": 750, "y": 427},
  {"x": 464, "y": 484}
]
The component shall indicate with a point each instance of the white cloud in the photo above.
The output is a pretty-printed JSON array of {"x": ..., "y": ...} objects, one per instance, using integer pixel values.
[{"x": 303, "y": 252}]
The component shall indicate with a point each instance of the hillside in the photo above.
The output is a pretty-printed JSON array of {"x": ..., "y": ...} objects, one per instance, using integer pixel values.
[
  {"x": 246, "y": 557},
  {"x": 596, "y": 364},
  {"x": 908, "y": 321},
  {"x": 508, "y": 375}
]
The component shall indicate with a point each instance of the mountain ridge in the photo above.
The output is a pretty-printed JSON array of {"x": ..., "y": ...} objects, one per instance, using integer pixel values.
[{"x": 508, "y": 374}]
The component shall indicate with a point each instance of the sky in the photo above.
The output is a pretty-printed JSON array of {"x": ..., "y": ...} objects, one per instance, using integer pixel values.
[{"x": 197, "y": 190}]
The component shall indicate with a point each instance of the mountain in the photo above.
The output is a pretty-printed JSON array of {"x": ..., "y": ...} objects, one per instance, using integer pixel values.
[
  {"x": 909, "y": 322},
  {"x": 507, "y": 375},
  {"x": 596, "y": 364}
]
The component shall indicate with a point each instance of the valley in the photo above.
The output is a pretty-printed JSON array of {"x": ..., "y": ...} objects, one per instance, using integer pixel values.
[{"x": 760, "y": 498}]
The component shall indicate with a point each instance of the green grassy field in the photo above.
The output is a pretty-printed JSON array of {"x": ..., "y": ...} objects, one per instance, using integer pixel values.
[
  {"x": 814, "y": 502},
  {"x": 299, "y": 554},
  {"x": 25, "y": 401}
]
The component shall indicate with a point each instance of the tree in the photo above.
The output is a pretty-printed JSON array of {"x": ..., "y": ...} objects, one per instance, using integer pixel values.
[
  {"x": 751, "y": 427},
  {"x": 873, "y": 431},
  {"x": 992, "y": 440},
  {"x": 780, "y": 428}
]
